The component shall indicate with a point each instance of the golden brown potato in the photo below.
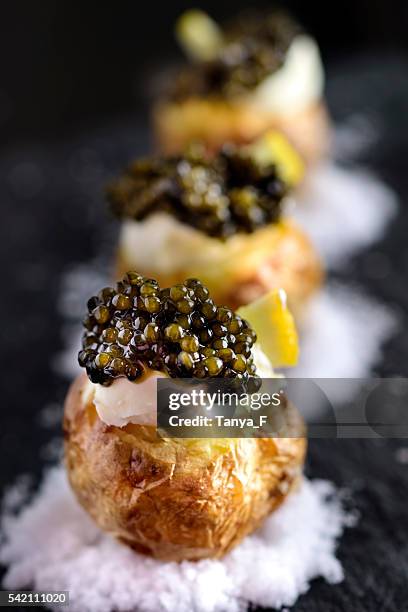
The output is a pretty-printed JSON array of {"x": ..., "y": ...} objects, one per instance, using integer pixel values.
[
  {"x": 176, "y": 124},
  {"x": 176, "y": 499},
  {"x": 245, "y": 267}
]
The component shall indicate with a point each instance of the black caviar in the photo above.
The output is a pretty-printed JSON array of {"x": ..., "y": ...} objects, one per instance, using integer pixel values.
[
  {"x": 255, "y": 46},
  {"x": 221, "y": 195},
  {"x": 178, "y": 331}
]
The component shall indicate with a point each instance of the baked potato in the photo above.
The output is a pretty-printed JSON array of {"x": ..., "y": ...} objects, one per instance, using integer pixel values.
[{"x": 176, "y": 499}]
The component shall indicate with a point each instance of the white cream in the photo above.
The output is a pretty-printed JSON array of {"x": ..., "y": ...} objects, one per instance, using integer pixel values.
[
  {"x": 125, "y": 402},
  {"x": 264, "y": 367},
  {"x": 162, "y": 245},
  {"x": 297, "y": 84}
]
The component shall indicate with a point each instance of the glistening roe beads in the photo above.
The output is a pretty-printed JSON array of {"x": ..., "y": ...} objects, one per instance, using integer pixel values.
[
  {"x": 178, "y": 331},
  {"x": 255, "y": 45},
  {"x": 221, "y": 195}
]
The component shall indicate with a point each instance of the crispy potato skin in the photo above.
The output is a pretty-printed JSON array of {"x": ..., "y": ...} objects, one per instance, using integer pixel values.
[
  {"x": 175, "y": 499},
  {"x": 217, "y": 122},
  {"x": 293, "y": 265}
]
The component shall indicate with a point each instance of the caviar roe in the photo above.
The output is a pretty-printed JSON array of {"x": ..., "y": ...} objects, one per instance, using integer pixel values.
[
  {"x": 255, "y": 46},
  {"x": 178, "y": 331},
  {"x": 221, "y": 195}
]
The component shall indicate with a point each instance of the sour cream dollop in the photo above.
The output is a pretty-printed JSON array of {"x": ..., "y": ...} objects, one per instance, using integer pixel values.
[
  {"x": 125, "y": 402},
  {"x": 297, "y": 84}
]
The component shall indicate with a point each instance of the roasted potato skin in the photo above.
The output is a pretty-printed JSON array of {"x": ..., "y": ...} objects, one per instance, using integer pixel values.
[{"x": 175, "y": 499}]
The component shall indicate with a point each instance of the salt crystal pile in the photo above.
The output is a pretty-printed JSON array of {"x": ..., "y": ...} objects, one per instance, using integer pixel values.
[
  {"x": 53, "y": 545},
  {"x": 343, "y": 211}
]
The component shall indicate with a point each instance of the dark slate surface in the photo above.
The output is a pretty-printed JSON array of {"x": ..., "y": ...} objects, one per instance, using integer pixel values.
[{"x": 53, "y": 217}]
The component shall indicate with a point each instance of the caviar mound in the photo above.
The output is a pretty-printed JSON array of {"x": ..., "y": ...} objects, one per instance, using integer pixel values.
[
  {"x": 254, "y": 46},
  {"x": 231, "y": 192},
  {"x": 179, "y": 331}
]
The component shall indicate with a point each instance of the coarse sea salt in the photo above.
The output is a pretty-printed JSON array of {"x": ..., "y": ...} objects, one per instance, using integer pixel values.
[
  {"x": 343, "y": 211},
  {"x": 342, "y": 334},
  {"x": 52, "y": 544}
]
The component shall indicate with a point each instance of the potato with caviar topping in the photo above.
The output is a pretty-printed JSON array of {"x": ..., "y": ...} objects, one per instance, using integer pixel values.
[
  {"x": 259, "y": 72},
  {"x": 219, "y": 218},
  {"x": 175, "y": 498}
]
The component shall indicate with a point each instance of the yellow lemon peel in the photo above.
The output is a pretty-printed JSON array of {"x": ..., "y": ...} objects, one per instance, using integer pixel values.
[
  {"x": 275, "y": 327},
  {"x": 273, "y": 147},
  {"x": 199, "y": 35}
]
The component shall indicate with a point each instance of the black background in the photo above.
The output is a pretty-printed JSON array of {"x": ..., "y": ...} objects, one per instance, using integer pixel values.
[
  {"x": 68, "y": 62},
  {"x": 73, "y": 96}
]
